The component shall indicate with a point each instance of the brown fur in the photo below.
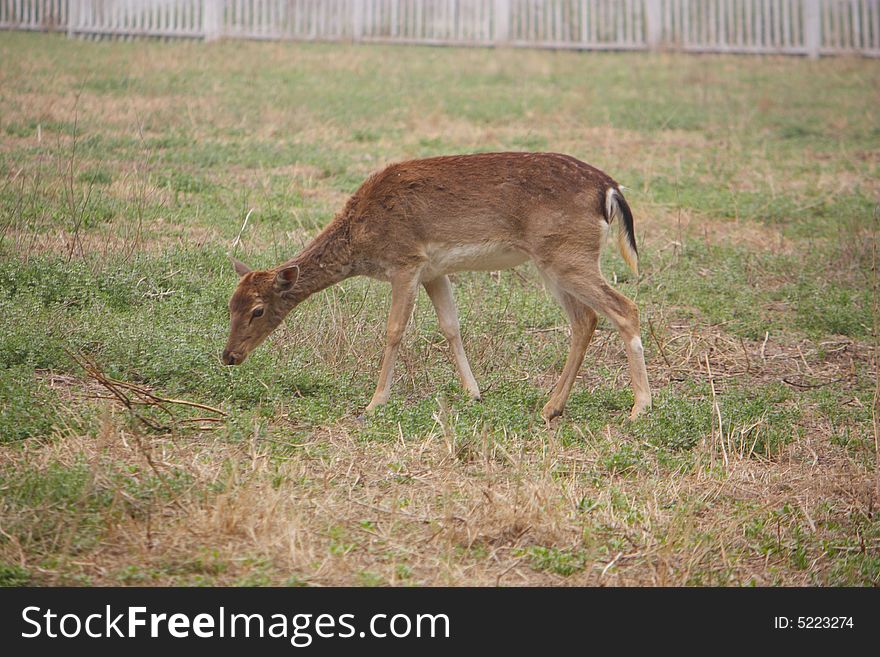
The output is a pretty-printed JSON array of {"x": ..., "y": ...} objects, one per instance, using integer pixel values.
[{"x": 414, "y": 222}]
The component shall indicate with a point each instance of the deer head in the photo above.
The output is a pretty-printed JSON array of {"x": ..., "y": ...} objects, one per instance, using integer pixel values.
[{"x": 258, "y": 305}]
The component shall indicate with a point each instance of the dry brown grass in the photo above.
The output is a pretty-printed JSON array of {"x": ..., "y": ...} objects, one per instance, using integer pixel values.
[{"x": 447, "y": 510}]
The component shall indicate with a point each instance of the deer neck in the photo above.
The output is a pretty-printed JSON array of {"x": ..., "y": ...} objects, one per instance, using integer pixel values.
[{"x": 325, "y": 261}]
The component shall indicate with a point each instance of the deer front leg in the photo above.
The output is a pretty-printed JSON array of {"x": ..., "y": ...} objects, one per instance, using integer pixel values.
[
  {"x": 404, "y": 288},
  {"x": 440, "y": 291}
]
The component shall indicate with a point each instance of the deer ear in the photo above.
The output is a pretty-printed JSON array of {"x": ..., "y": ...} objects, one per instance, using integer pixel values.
[
  {"x": 286, "y": 278},
  {"x": 240, "y": 268}
]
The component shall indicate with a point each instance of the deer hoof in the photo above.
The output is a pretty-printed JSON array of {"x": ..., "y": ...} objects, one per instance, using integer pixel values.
[
  {"x": 550, "y": 412},
  {"x": 639, "y": 410}
]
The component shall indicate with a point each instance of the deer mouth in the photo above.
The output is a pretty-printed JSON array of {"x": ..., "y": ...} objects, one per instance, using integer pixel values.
[{"x": 232, "y": 358}]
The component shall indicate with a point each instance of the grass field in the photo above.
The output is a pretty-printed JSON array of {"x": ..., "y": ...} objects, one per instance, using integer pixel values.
[{"x": 126, "y": 174}]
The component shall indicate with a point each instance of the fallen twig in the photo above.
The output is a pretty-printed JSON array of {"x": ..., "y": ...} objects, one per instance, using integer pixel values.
[
  {"x": 132, "y": 396},
  {"x": 796, "y": 384}
]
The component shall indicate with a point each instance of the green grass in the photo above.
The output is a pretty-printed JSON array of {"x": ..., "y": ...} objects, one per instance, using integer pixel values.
[
  {"x": 127, "y": 170},
  {"x": 28, "y": 409},
  {"x": 561, "y": 562}
]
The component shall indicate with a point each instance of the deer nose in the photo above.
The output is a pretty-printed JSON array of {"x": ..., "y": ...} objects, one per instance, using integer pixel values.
[{"x": 228, "y": 357}]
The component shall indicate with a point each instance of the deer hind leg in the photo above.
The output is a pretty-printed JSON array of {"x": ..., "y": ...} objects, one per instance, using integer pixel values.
[
  {"x": 404, "y": 288},
  {"x": 583, "y": 322},
  {"x": 589, "y": 287},
  {"x": 440, "y": 292}
]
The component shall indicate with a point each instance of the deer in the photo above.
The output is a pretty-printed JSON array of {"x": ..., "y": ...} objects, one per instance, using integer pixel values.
[{"x": 415, "y": 222}]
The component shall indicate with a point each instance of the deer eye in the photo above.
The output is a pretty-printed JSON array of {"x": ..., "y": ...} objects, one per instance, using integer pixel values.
[{"x": 258, "y": 312}]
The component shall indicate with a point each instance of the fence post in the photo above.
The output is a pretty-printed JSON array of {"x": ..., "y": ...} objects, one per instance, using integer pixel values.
[
  {"x": 812, "y": 27},
  {"x": 357, "y": 20},
  {"x": 212, "y": 19},
  {"x": 502, "y": 22},
  {"x": 653, "y": 24},
  {"x": 74, "y": 9}
]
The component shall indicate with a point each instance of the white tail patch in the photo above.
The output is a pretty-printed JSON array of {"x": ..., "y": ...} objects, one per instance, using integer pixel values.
[{"x": 612, "y": 212}]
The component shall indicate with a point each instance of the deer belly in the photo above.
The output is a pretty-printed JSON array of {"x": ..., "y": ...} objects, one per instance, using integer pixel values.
[{"x": 470, "y": 257}]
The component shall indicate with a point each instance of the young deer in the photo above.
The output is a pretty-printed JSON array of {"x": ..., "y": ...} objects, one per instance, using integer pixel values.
[{"x": 415, "y": 222}]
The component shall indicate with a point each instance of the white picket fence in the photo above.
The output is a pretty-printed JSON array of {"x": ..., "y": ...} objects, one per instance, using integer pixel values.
[
  {"x": 33, "y": 14},
  {"x": 804, "y": 27}
]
